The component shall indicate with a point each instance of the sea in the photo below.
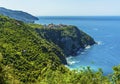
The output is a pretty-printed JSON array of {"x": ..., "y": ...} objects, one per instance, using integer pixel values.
[{"x": 106, "y": 32}]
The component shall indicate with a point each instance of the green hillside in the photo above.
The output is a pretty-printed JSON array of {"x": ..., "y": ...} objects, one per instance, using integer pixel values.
[
  {"x": 23, "y": 51},
  {"x": 28, "y": 58},
  {"x": 18, "y": 15}
]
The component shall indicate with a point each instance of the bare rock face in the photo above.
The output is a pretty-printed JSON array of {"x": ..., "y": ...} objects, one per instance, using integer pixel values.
[{"x": 69, "y": 38}]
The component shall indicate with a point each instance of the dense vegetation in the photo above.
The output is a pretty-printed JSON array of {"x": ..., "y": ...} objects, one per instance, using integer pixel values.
[
  {"x": 18, "y": 15},
  {"x": 23, "y": 52},
  {"x": 27, "y": 58}
]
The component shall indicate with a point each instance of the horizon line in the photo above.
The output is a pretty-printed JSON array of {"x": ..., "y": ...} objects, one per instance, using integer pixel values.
[{"x": 77, "y": 15}]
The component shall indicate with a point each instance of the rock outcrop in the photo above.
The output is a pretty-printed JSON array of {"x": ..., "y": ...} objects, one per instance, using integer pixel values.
[{"x": 69, "y": 38}]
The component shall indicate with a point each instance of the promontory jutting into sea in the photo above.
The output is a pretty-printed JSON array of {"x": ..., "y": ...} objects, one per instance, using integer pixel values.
[
  {"x": 60, "y": 42},
  {"x": 105, "y": 31}
]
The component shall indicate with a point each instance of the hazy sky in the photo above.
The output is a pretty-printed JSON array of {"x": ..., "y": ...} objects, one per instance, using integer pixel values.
[{"x": 65, "y": 7}]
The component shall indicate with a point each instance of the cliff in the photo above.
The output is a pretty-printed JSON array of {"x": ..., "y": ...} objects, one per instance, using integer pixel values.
[
  {"x": 18, "y": 15},
  {"x": 28, "y": 57},
  {"x": 69, "y": 38}
]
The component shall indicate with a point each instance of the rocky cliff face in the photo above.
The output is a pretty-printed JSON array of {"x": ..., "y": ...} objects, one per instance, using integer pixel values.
[
  {"x": 18, "y": 15},
  {"x": 69, "y": 38}
]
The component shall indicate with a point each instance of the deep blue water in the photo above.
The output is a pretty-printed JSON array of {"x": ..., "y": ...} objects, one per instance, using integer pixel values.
[{"x": 105, "y": 30}]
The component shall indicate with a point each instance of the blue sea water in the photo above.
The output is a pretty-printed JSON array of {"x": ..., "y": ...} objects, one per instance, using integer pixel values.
[{"x": 104, "y": 29}]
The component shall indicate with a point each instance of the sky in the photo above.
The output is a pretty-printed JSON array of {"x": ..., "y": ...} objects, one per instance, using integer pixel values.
[{"x": 65, "y": 7}]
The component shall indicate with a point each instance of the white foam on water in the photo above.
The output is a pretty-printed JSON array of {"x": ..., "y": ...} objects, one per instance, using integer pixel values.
[
  {"x": 82, "y": 53},
  {"x": 99, "y": 42},
  {"x": 71, "y": 62},
  {"x": 87, "y": 47}
]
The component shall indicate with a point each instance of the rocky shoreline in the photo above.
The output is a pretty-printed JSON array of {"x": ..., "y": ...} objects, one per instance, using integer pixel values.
[{"x": 69, "y": 38}]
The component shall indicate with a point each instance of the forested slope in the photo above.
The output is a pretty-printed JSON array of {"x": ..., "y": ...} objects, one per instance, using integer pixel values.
[{"x": 28, "y": 58}]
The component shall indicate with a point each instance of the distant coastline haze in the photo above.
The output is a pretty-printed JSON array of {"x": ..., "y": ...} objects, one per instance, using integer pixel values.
[{"x": 65, "y": 7}]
